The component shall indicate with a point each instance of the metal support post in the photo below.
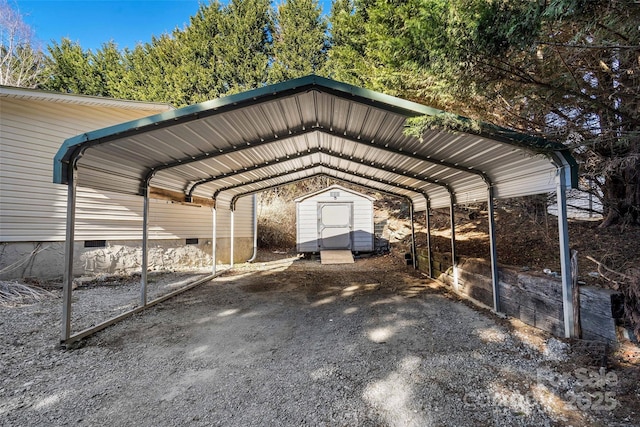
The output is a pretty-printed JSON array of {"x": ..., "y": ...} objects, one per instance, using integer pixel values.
[
  {"x": 454, "y": 262},
  {"x": 565, "y": 255},
  {"x": 213, "y": 241},
  {"x": 232, "y": 227},
  {"x": 254, "y": 255},
  {"x": 145, "y": 247},
  {"x": 67, "y": 286},
  {"x": 413, "y": 236},
  {"x": 428, "y": 224},
  {"x": 492, "y": 248}
]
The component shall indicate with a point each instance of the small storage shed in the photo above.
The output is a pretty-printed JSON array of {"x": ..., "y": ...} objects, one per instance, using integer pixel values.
[{"x": 335, "y": 218}]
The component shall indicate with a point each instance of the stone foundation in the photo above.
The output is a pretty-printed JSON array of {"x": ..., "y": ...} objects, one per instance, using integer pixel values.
[{"x": 45, "y": 260}]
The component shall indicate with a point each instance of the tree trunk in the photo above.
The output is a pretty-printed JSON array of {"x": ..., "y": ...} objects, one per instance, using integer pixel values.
[{"x": 621, "y": 191}]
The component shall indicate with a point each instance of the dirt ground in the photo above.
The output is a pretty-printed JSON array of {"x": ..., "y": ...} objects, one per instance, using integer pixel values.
[
  {"x": 533, "y": 244},
  {"x": 287, "y": 341}
]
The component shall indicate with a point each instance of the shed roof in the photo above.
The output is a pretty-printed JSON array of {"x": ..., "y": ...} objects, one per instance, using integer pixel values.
[
  {"x": 255, "y": 140},
  {"x": 331, "y": 188},
  {"x": 67, "y": 98}
]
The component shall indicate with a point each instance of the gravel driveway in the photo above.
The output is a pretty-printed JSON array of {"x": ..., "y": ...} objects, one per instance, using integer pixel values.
[{"x": 291, "y": 342}]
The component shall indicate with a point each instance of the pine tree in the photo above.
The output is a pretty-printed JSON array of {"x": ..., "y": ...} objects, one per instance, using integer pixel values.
[
  {"x": 199, "y": 63},
  {"x": 70, "y": 70},
  {"x": 242, "y": 47},
  {"x": 300, "y": 40},
  {"x": 346, "y": 60},
  {"x": 564, "y": 69},
  {"x": 108, "y": 66}
]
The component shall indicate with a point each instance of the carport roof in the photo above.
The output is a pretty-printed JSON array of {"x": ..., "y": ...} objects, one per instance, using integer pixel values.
[{"x": 255, "y": 140}]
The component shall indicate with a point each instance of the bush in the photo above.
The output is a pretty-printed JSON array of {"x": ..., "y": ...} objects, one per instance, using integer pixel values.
[{"x": 276, "y": 223}]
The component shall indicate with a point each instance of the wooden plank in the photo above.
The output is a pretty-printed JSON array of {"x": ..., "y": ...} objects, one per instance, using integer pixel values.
[
  {"x": 575, "y": 294},
  {"x": 509, "y": 307},
  {"x": 596, "y": 300},
  {"x": 423, "y": 264},
  {"x": 510, "y": 291},
  {"x": 596, "y": 313},
  {"x": 546, "y": 307},
  {"x": 476, "y": 266},
  {"x": 485, "y": 296},
  {"x": 423, "y": 252},
  {"x": 596, "y": 327},
  {"x": 549, "y": 324},
  {"x": 534, "y": 299},
  {"x": 476, "y": 287},
  {"x": 541, "y": 285},
  {"x": 530, "y": 316},
  {"x": 538, "y": 303},
  {"x": 507, "y": 275},
  {"x": 476, "y": 280},
  {"x": 336, "y": 257},
  {"x": 178, "y": 197}
]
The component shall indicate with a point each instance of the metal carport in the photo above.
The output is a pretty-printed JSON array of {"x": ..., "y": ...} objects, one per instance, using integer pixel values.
[{"x": 223, "y": 149}]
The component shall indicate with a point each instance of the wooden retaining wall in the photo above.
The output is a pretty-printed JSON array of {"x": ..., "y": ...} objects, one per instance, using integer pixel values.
[{"x": 535, "y": 298}]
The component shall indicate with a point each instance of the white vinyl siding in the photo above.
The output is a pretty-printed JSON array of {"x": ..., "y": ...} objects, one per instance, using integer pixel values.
[
  {"x": 307, "y": 218},
  {"x": 363, "y": 230},
  {"x": 307, "y": 226},
  {"x": 32, "y": 208},
  {"x": 243, "y": 217}
]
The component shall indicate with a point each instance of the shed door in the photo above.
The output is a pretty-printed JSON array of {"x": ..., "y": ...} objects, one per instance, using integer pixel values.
[{"x": 335, "y": 222}]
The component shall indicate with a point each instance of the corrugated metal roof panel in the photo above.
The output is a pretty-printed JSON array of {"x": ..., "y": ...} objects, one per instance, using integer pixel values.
[
  {"x": 417, "y": 198},
  {"x": 264, "y": 137}
]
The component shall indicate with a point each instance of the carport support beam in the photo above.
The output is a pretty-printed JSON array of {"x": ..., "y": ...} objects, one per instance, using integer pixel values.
[
  {"x": 413, "y": 235},
  {"x": 254, "y": 255},
  {"x": 214, "y": 240},
  {"x": 565, "y": 255},
  {"x": 145, "y": 247},
  {"x": 67, "y": 286},
  {"x": 495, "y": 283},
  {"x": 428, "y": 224},
  {"x": 454, "y": 262},
  {"x": 232, "y": 227}
]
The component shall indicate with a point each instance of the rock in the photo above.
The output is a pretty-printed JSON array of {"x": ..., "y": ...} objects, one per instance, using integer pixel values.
[{"x": 556, "y": 350}]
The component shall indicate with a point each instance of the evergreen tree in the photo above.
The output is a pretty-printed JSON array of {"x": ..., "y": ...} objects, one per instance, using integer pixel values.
[
  {"x": 199, "y": 64},
  {"x": 242, "y": 47},
  {"x": 300, "y": 40},
  {"x": 152, "y": 71},
  {"x": 346, "y": 60},
  {"x": 564, "y": 69},
  {"x": 108, "y": 66},
  {"x": 181, "y": 68},
  {"x": 70, "y": 70}
]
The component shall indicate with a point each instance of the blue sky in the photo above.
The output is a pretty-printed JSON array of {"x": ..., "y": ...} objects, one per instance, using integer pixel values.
[{"x": 94, "y": 22}]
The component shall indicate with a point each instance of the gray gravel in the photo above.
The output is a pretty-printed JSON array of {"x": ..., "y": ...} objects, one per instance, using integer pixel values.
[{"x": 291, "y": 343}]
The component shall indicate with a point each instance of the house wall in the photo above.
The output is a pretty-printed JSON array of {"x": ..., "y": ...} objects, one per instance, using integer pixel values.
[
  {"x": 307, "y": 219},
  {"x": 33, "y": 209},
  {"x": 243, "y": 229}
]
